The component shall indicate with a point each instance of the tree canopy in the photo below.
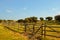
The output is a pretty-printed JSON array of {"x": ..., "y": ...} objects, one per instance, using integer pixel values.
[
  {"x": 41, "y": 18},
  {"x": 57, "y": 18},
  {"x": 49, "y": 18}
]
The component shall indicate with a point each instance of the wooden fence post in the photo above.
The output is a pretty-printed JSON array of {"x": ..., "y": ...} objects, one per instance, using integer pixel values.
[
  {"x": 44, "y": 31},
  {"x": 41, "y": 31},
  {"x": 25, "y": 27},
  {"x": 33, "y": 30}
]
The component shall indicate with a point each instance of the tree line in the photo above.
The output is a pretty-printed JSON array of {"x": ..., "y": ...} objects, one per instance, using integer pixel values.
[{"x": 35, "y": 19}]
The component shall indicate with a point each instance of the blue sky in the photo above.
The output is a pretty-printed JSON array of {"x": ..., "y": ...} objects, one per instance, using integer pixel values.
[{"x": 20, "y": 9}]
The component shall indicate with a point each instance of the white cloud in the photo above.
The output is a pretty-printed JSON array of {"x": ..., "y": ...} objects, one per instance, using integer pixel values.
[
  {"x": 24, "y": 8},
  {"x": 53, "y": 9},
  {"x": 58, "y": 13},
  {"x": 8, "y": 10}
]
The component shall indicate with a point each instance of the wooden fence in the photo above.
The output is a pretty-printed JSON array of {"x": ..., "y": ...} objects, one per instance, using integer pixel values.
[{"x": 38, "y": 32}]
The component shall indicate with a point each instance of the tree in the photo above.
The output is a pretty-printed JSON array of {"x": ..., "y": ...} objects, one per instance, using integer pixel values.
[
  {"x": 20, "y": 21},
  {"x": 30, "y": 19},
  {"x": 41, "y": 18},
  {"x": 49, "y": 18},
  {"x": 27, "y": 20},
  {"x": 57, "y": 18},
  {"x": 33, "y": 19},
  {"x": 0, "y": 21},
  {"x": 9, "y": 21}
]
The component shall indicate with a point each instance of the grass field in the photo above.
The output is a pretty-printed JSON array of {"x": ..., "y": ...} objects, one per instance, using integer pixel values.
[{"x": 6, "y": 34}]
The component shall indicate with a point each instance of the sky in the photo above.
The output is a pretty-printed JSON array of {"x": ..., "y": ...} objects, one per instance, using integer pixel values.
[{"x": 20, "y": 9}]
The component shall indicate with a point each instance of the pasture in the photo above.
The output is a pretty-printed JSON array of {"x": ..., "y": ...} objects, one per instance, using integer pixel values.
[{"x": 31, "y": 31}]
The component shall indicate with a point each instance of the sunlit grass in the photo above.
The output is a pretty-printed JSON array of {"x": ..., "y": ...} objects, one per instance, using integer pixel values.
[{"x": 6, "y": 34}]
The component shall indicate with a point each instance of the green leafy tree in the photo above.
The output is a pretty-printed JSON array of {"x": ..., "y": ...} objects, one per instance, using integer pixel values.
[
  {"x": 27, "y": 20},
  {"x": 20, "y": 21},
  {"x": 9, "y": 22},
  {"x": 49, "y": 18},
  {"x": 41, "y": 18},
  {"x": 30, "y": 19},
  {"x": 0, "y": 21},
  {"x": 57, "y": 18},
  {"x": 33, "y": 19}
]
